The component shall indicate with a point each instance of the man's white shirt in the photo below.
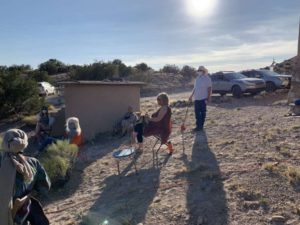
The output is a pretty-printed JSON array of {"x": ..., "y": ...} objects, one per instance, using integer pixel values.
[{"x": 201, "y": 85}]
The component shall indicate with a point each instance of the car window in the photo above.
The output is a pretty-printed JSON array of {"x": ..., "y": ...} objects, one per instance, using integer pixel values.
[
  {"x": 257, "y": 75},
  {"x": 251, "y": 74},
  {"x": 213, "y": 77},
  {"x": 248, "y": 73},
  {"x": 217, "y": 77},
  {"x": 233, "y": 76},
  {"x": 220, "y": 77}
]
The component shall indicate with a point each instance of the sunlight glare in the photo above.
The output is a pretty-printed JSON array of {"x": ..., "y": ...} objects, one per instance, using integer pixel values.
[{"x": 200, "y": 8}]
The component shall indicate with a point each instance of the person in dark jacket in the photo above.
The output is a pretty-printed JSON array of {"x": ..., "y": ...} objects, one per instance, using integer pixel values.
[{"x": 43, "y": 124}]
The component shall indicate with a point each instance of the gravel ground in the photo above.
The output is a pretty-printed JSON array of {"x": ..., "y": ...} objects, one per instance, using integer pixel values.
[{"x": 242, "y": 169}]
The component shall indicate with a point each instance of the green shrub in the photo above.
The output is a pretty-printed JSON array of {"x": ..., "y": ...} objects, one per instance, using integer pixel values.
[
  {"x": 171, "y": 69},
  {"x": 56, "y": 167},
  {"x": 18, "y": 95},
  {"x": 145, "y": 77},
  {"x": 58, "y": 159}
]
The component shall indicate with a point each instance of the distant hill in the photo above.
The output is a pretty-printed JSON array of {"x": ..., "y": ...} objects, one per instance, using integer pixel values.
[
  {"x": 166, "y": 82},
  {"x": 286, "y": 67}
]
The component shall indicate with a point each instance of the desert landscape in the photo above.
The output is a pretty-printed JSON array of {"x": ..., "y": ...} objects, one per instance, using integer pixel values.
[
  {"x": 242, "y": 169},
  {"x": 80, "y": 81}
]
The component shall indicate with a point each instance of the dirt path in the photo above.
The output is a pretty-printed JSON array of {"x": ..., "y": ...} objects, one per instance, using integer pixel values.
[{"x": 221, "y": 178}]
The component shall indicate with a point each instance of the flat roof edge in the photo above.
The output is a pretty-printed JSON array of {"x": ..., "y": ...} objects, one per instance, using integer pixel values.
[{"x": 116, "y": 83}]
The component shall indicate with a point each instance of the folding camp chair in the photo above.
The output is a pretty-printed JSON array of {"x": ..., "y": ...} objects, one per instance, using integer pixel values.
[
  {"x": 124, "y": 154},
  {"x": 155, "y": 152},
  {"x": 166, "y": 142}
]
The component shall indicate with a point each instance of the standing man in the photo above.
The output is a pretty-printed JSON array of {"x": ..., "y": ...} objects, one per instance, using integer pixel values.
[{"x": 202, "y": 95}]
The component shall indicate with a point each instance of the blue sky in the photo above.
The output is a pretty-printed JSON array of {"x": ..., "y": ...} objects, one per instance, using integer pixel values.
[{"x": 226, "y": 35}]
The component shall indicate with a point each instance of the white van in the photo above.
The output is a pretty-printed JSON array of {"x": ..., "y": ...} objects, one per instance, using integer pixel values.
[{"x": 46, "y": 89}]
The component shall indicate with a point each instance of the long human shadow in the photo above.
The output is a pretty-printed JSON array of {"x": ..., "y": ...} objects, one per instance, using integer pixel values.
[
  {"x": 125, "y": 199},
  {"x": 206, "y": 200}
]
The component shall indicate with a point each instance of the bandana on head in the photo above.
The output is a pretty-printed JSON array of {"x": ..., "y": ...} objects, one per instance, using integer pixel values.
[{"x": 14, "y": 141}]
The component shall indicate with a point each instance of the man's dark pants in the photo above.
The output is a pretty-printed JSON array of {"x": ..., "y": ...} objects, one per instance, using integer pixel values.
[{"x": 200, "y": 113}]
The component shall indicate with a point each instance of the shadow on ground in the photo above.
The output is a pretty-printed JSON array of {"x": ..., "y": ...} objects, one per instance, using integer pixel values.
[
  {"x": 206, "y": 199},
  {"x": 124, "y": 200}
]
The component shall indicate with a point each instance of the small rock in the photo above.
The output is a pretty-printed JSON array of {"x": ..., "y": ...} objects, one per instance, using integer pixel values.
[
  {"x": 167, "y": 191},
  {"x": 277, "y": 219},
  {"x": 156, "y": 200},
  {"x": 292, "y": 222}
]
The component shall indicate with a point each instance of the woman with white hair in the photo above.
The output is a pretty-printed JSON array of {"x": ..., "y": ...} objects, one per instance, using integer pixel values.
[
  {"x": 73, "y": 131},
  {"x": 19, "y": 177},
  {"x": 73, "y": 134}
]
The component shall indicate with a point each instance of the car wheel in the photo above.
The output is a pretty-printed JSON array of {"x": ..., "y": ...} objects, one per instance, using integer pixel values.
[
  {"x": 270, "y": 87},
  {"x": 236, "y": 91}
]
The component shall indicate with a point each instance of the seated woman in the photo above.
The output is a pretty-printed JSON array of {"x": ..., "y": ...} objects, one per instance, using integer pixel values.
[
  {"x": 73, "y": 131},
  {"x": 20, "y": 177},
  {"x": 128, "y": 121},
  {"x": 158, "y": 125},
  {"x": 43, "y": 123},
  {"x": 73, "y": 134}
]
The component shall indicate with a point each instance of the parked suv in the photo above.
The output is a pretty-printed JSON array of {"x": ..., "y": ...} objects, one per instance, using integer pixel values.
[
  {"x": 46, "y": 89},
  {"x": 236, "y": 83},
  {"x": 273, "y": 80}
]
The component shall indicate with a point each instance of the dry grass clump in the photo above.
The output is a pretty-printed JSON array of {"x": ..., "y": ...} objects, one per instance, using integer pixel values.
[
  {"x": 30, "y": 120},
  {"x": 271, "y": 167},
  {"x": 51, "y": 107},
  {"x": 58, "y": 159},
  {"x": 293, "y": 174},
  {"x": 284, "y": 151},
  {"x": 263, "y": 201}
]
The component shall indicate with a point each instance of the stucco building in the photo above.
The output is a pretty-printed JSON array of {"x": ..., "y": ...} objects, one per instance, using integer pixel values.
[{"x": 98, "y": 105}]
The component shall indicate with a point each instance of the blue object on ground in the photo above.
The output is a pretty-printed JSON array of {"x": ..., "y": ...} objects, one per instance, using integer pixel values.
[
  {"x": 297, "y": 102},
  {"x": 122, "y": 153}
]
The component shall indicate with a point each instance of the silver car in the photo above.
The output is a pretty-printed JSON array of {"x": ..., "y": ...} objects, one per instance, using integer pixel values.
[
  {"x": 236, "y": 84},
  {"x": 273, "y": 80}
]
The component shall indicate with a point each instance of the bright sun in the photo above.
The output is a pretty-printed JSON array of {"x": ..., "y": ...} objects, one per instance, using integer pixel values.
[{"x": 200, "y": 8}]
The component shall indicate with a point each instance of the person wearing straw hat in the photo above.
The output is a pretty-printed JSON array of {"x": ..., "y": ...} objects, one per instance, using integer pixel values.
[
  {"x": 19, "y": 177},
  {"x": 202, "y": 95}
]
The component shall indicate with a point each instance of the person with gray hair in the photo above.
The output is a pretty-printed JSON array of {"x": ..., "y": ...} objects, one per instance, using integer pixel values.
[
  {"x": 19, "y": 177},
  {"x": 73, "y": 131}
]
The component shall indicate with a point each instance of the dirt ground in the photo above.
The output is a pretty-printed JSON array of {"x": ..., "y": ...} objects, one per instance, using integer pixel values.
[{"x": 242, "y": 169}]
